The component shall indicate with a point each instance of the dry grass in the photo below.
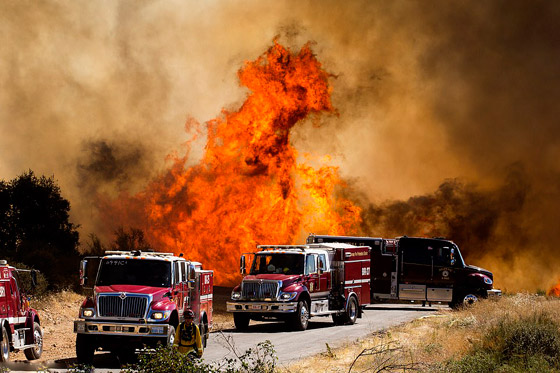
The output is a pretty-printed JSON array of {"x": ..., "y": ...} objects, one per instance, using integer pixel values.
[{"x": 434, "y": 339}]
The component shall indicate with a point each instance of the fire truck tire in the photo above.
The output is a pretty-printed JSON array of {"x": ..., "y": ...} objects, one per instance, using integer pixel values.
[
  {"x": 465, "y": 300},
  {"x": 170, "y": 335},
  {"x": 85, "y": 349},
  {"x": 4, "y": 346},
  {"x": 241, "y": 321},
  {"x": 300, "y": 319},
  {"x": 203, "y": 336},
  {"x": 34, "y": 353},
  {"x": 352, "y": 311}
]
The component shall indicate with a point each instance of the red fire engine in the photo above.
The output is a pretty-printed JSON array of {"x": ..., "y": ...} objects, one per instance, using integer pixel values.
[
  {"x": 138, "y": 300},
  {"x": 293, "y": 283},
  {"x": 21, "y": 328}
]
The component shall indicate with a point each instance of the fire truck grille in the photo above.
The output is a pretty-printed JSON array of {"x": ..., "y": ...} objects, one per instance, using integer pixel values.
[
  {"x": 260, "y": 290},
  {"x": 116, "y": 306}
]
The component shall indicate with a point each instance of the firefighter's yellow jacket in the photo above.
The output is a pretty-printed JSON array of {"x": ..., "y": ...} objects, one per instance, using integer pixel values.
[{"x": 187, "y": 339}]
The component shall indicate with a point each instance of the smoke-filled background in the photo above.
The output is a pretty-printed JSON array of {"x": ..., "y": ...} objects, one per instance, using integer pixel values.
[{"x": 447, "y": 120}]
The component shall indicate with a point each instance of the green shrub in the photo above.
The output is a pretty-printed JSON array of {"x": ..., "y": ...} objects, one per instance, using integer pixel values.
[
  {"x": 530, "y": 344},
  {"x": 537, "y": 335},
  {"x": 477, "y": 362},
  {"x": 260, "y": 359},
  {"x": 41, "y": 286}
]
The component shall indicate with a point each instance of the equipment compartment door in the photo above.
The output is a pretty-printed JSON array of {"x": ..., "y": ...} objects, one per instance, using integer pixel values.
[{"x": 357, "y": 273}]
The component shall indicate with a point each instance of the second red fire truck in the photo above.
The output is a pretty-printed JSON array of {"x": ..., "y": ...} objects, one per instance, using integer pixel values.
[
  {"x": 295, "y": 282},
  {"x": 138, "y": 301}
]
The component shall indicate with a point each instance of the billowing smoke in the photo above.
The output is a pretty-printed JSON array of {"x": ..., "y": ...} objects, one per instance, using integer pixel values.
[
  {"x": 490, "y": 226},
  {"x": 445, "y": 109}
]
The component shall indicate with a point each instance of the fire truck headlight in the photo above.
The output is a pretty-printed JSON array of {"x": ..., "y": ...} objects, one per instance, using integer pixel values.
[
  {"x": 87, "y": 312},
  {"x": 235, "y": 295},
  {"x": 288, "y": 296},
  {"x": 157, "y": 315},
  {"x": 487, "y": 280}
]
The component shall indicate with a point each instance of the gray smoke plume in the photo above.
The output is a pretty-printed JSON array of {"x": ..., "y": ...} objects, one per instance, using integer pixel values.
[{"x": 443, "y": 107}]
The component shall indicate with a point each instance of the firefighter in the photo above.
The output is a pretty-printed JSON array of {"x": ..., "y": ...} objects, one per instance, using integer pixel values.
[{"x": 187, "y": 337}]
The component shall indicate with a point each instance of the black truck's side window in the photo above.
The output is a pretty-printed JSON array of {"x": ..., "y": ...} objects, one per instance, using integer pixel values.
[{"x": 418, "y": 254}]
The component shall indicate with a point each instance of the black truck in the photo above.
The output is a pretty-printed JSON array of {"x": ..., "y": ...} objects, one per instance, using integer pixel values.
[{"x": 420, "y": 269}]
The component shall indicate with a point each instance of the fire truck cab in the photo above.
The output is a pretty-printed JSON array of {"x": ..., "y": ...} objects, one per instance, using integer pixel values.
[
  {"x": 21, "y": 327},
  {"x": 293, "y": 283},
  {"x": 138, "y": 301}
]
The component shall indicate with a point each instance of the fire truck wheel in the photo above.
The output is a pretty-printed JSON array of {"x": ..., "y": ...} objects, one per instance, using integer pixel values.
[
  {"x": 203, "y": 328},
  {"x": 470, "y": 299},
  {"x": 301, "y": 317},
  {"x": 352, "y": 311},
  {"x": 5, "y": 346},
  {"x": 170, "y": 335},
  {"x": 85, "y": 349},
  {"x": 241, "y": 321},
  {"x": 464, "y": 300},
  {"x": 34, "y": 353}
]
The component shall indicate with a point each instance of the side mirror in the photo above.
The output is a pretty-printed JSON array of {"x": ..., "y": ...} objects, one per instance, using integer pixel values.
[
  {"x": 34, "y": 279},
  {"x": 242, "y": 265},
  {"x": 83, "y": 272},
  {"x": 452, "y": 257}
]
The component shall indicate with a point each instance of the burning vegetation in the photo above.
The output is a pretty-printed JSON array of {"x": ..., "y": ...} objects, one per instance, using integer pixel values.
[{"x": 249, "y": 187}]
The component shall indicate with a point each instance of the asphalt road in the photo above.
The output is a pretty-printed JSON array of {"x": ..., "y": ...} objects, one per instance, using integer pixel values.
[{"x": 289, "y": 345}]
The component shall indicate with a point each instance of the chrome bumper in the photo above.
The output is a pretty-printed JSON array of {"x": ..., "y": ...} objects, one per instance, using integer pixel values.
[
  {"x": 262, "y": 307},
  {"x": 122, "y": 329},
  {"x": 494, "y": 293}
]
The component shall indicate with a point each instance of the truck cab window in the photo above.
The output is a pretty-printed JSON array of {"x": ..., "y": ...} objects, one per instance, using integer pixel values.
[
  {"x": 418, "y": 254},
  {"x": 443, "y": 257},
  {"x": 289, "y": 264},
  {"x": 322, "y": 262},
  {"x": 155, "y": 273},
  {"x": 183, "y": 271},
  {"x": 311, "y": 264},
  {"x": 177, "y": 277}
]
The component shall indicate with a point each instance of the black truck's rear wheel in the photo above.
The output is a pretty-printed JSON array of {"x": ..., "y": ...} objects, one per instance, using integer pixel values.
[
  {"x": 35, "y": 352},
  {"x": 85, "y": 349},
  {"x": 241, "y": 321}
]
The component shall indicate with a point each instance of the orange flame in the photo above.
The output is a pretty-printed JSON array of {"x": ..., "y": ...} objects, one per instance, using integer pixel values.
[
  {"x": 248, "y": 189},
  {"x": 554, "y": 291}
]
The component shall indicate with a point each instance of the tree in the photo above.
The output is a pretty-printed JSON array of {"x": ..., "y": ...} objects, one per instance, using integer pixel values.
[
  {"x": 35, "y": 228},
  {"x": 133, "y": 239}
]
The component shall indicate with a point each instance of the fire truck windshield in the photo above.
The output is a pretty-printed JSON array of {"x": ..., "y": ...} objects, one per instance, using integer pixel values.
[
  {"x": 155, "y": 273},
  {"x": 288, "y": 264}
]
